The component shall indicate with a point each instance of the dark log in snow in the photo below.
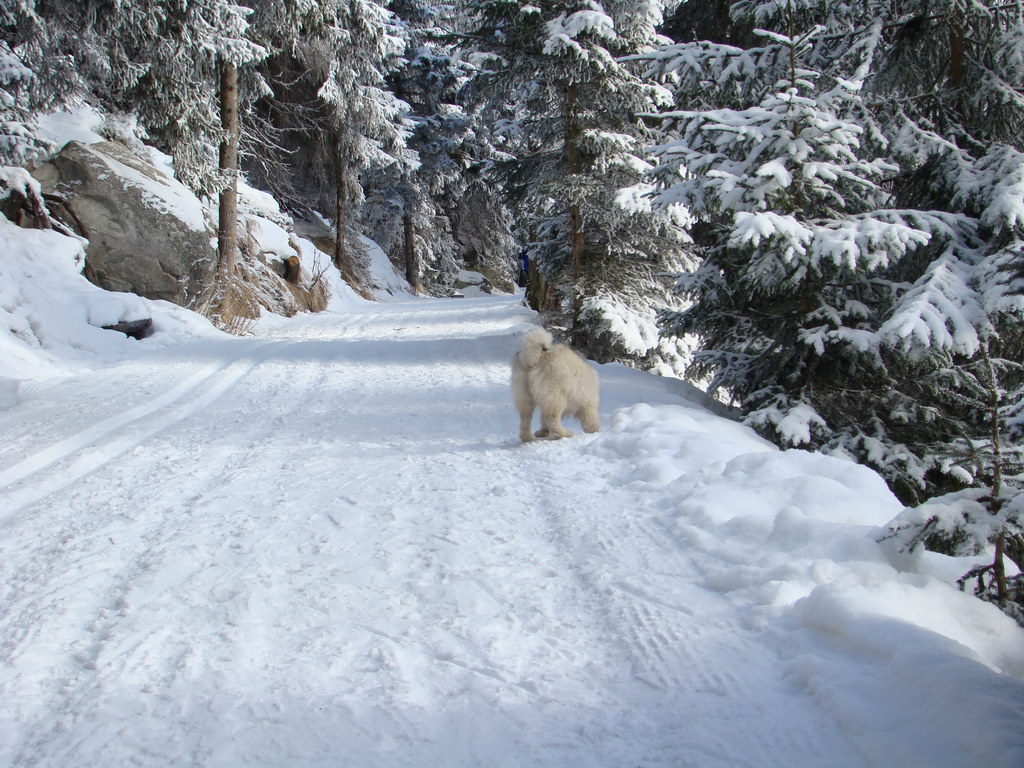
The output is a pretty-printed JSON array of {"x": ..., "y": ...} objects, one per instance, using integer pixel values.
[{"x": 135, "y": 329}]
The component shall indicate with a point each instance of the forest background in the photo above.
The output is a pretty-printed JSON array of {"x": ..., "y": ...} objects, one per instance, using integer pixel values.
[{"x": 813, "y": 208}]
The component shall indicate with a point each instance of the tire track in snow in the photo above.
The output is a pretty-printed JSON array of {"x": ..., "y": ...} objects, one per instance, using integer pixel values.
[
  {"x": 91, "y": 455},
  {"x": 487, "y": 582}
]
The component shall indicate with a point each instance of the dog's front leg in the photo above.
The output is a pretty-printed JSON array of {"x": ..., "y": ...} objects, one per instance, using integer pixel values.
[{"x": 525, "y": 421}]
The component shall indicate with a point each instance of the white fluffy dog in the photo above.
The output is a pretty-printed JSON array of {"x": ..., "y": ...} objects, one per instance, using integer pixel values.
[{"x": 558, "y": 381}]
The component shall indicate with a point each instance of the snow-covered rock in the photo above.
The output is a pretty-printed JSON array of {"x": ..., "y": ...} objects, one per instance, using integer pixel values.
[{"x": 148, "y": 234}]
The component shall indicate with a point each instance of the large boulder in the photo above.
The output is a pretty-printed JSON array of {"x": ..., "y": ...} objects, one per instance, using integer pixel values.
[{"x": 148, "y": 234}]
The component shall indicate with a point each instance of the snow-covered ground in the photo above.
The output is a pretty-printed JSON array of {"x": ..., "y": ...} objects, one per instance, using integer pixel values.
[{"x": 324, "y": 546}]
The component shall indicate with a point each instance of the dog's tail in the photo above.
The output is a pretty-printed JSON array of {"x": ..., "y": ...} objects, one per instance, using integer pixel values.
[{"x": 535, "y": 343}]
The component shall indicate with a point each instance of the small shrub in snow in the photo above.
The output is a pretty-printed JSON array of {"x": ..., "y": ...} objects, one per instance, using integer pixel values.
[
  {"x": 969, "y": 523},
  {"x": 972, "y": 521}
]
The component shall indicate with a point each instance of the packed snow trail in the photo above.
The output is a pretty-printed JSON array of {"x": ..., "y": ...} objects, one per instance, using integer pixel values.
[{"x": 326, "y": 547}]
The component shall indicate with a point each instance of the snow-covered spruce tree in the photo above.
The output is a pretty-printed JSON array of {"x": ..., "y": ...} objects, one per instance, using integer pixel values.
[
  {"x": 22, "y": 44},
  {"x": 483, "y": 222},
  {"x": 567, "y": 109},
  {"x": 373, "y": 130},
  {"x": 457, "y": 219},
  {"x": 908, "y": 360},
  {"x": 799, "y": 243},
  {"x": 329, "y": 121},
  {"x": 17, "y": 144},
  {"x": 954, "y": 113},
  {"x": 428, "y": 191},
  {"x": 961, "y": 313},
  {"x": 50, "y": 57},
  {"x": 161, "y": 63},
  {"x": 989, "y": 513}
]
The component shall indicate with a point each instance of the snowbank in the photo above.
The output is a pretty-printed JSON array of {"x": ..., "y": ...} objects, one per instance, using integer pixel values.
[
  {"x": 384, "y": 278},
  {"x": 808, "y": 525},
  {"x": 51, "y": 316},
  {"x": 790, "y": 537},
  {"x": 275, "y": 237}
]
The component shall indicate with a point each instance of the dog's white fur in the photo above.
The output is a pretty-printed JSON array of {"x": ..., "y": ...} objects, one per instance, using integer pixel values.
[{"x": 557, "y": 380}]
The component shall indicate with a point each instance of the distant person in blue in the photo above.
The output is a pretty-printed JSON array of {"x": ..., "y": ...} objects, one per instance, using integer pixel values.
[{"x": 524, "y": 269}]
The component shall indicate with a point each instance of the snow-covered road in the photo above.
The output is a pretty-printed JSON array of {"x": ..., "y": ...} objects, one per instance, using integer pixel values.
[{"x": 324, "y": 546}]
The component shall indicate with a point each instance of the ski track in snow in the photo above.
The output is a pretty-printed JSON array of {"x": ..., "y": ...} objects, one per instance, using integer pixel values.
[
  {"x": 88, "y": 450},
  {"x": 328, "y": 548}
]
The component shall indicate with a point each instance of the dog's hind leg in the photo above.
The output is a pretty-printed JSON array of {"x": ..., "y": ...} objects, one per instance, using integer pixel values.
[
  {"x": 523, "y": 400},
  {"x": 590, "y": 419},
  {"x": 551, "y": 421}
]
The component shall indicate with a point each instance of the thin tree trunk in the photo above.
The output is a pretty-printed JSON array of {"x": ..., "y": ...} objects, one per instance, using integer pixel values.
[
  {"x": 956, "y": 53},
  {"x": 538, "y": 290},
  {"x": 412, "y": 262},
  {"x": 998, "y": 566},
  {"x": 999, "y": 569},
  {"x": 576, "y": 235},
  {"x": 227, "y": 238},
  {"x": 339, "y": 222},
  {"x": 578, "y": 247}
]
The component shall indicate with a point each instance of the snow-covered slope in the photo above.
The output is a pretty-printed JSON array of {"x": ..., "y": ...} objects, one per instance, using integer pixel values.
[
  {"x": 324, "y": 546},
  {"x": 51, "y": 317}
]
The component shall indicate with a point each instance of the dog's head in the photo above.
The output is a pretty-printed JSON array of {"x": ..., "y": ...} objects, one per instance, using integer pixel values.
[{"x": 535, "y": 343}]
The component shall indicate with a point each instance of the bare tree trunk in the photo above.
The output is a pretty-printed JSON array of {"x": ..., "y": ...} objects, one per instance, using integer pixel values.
[
  {"x": 538, "y": 291},
  {"x": 576, "y": 235},
  {"x": 956, "y": 53},
  {"x": 998, "y": 566},
  {"x": 999, "y": 569},
  {"x": 340, "y": 214},
  {"x": 227, "y": 238},
  {"x": 339, "y": 234},
  {"x": 412, "y": 262},
  {"x": 578, "y": 247}
]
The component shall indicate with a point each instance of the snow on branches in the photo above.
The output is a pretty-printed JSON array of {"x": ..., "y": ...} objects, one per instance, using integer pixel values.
[
  {"x": 837, "y": 315},
  {"x": 564, "y": 30},
  {"x": 17, "y": 140}
]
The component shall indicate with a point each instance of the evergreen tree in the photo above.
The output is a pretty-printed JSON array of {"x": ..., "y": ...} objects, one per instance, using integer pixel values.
[
  {"x": 796, "y": 219},
  {"x": 157, "y": 62},
  {"x": 329, "y": 121},
  {"x": 17, "y": 143},
  {"x": 567, "y": 109},
  {"x": 410, "y": 205},
  {"x": 455, "y": 217},
  {"x": 838, "y": 311},
  {"x": 860, "y": 218},
  {"x": 20, "y": 96}
]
